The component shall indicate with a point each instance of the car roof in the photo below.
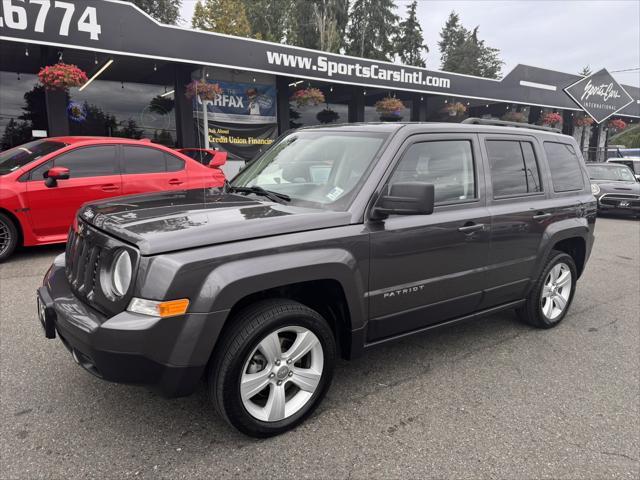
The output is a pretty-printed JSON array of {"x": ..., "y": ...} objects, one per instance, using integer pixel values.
[
  {"x": 434, "y": 127},
  {"x": 73, "y": 139}
]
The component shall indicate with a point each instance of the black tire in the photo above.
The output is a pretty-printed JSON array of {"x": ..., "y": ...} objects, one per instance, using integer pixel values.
[
  {"x": 532, "y": 312},
  {"x": 249, "y": 327},
  {"x": 8, "y": 237}
]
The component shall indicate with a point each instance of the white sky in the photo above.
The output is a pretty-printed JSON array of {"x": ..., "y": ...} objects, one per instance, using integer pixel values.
[{"x": 562, "y": 35}]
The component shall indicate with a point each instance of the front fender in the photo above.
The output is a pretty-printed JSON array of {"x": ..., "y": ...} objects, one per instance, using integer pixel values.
[{"x": 232, "y": 281}]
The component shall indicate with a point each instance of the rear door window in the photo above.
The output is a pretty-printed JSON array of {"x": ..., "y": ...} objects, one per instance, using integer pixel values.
[
  {"x": 566, "y": 172},
  {"x": 514, "y": 170},
  {"x": 143, "y": 160}
]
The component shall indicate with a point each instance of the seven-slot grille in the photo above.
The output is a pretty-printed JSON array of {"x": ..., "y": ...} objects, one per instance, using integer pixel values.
[{"x": 82, "y": 262}]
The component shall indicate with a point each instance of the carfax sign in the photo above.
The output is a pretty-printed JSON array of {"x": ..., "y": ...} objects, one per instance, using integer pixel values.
[
  {"x": 599, "y": 95},
  {"x": 244, "y": 103}
]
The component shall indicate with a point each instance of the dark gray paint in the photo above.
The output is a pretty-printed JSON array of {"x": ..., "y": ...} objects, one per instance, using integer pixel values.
[{"x": 186, "y": 253}]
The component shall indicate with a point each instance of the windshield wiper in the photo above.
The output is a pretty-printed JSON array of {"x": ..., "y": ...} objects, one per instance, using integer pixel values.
[{"x": 271, "y": 195}]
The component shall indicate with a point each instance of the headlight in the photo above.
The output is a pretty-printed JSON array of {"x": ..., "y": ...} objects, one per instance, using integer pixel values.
[
  {"x": 121, "y": 273},
  {"x": 595, "y": 189}
]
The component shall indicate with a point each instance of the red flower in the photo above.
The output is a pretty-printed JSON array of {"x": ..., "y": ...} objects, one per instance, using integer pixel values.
[
  {"x": 62, "y": 76},
  {"x": 617, "y": 124}
]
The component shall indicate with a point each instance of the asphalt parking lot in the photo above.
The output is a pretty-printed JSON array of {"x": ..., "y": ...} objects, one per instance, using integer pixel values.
[{"x": 488, "y": 399}]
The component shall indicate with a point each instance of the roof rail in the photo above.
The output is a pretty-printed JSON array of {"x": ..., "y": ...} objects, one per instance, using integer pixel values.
[{"x": 504, "y": 123}]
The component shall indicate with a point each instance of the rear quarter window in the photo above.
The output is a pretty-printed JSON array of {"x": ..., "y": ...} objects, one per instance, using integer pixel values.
[{"x": 565, "y": 167}]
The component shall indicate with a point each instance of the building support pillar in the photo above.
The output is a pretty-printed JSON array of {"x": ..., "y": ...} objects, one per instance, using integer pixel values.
[
  {"x": 567, "y": 122},
  {"x": 282, "y": 101},
  {"x": 356, "y": 105},
  {"x": 594, "y": 142},
  {"x": 419, "y": 110},
  {"x": 185, "y": 129},
  {"x": 56, "y": 102}
]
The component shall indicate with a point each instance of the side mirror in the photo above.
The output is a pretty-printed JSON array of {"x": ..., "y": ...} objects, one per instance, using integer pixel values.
[
  {"x": 219, "y": 159},
  {"x": 409, "y": 198},
  {"x": 54, "y": 174}
]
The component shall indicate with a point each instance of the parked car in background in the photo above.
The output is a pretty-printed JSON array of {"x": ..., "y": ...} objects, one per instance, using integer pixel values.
[
  {"x": 334, "y": 240},
  {"x": 632, "y": 162},
  {"x": 615, "y": 187},
  {"x": 44, "y": 182}
]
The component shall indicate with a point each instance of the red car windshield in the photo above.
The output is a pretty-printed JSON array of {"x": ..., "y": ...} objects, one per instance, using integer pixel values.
[{"x": 24, "y": 154}]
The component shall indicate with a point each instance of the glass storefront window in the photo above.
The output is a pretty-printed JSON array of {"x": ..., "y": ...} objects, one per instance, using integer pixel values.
[
  {"x": 22, "y": 108},
  {"x": 130, "y": 110},
  {"x": 371, "y": 114},
  {"x": 335, "y": 108}
]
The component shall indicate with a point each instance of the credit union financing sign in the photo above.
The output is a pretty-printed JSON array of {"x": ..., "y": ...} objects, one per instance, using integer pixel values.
[{"x": 599, "y": 95}]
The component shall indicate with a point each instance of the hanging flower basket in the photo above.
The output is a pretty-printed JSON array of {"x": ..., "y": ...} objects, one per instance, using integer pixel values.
[
  {"x": 617, "y": 124},
  {"x": 551, "y": 119},
  {"x": 390, "y": 109},
  {"x": 205, "y": 90},
  {"x": 327, "y": 116},
  {"x": 62, "y": 76},
  {"x": 513, "y": 116},
  {"x": 583, "y": 121},
  {"x": 455, "y": 109},
  {"x": 306, "y": 97}
]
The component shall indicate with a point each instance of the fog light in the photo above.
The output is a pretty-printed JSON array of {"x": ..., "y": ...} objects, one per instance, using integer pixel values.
[{"x": 154, "y": 308}]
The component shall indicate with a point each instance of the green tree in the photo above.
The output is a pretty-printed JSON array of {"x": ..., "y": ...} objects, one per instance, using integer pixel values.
[
  {"x": 410, "y": 42},
  {"x": 165, "y": 11},
  {"x": 374, "y": 26},
  {"x": 452, "y": 38},
  {"x": 586, "y": 71},
  {"x": 319, "y": 24},
  {"x": 268, "y": 18},
  {"x": 15, "y": 133},
  {"x": 221, "y": 16},
  {"x": 463, "y": 52}
]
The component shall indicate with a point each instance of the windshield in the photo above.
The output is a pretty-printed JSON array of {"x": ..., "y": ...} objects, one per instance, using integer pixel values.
[
  {"x": 20, "y": 156},
  {"x": 634, "y": 165},
  {"x": 610, "y": 172},
  {"x": 320, "y": 168}
]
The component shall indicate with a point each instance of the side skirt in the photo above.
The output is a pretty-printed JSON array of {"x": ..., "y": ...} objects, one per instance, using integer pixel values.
[{"x": 472, "y": 316}]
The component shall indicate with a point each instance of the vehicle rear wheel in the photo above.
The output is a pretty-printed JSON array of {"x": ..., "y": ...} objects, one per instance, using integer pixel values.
[
  {"x": 551, "y": 296},
  {"x": 273, "y": 367},
  {"x": 8, "y": 237}
]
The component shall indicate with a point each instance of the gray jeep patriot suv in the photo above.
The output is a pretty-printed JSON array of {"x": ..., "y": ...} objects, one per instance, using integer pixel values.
[{"x": 334, "y": 240}]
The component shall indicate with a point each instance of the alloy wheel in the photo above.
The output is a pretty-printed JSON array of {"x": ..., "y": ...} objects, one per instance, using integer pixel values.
[
  {"x": 281, "y": 374},
  {"x": 556, "y": 291},
  {"x": 5, "y": 237}
]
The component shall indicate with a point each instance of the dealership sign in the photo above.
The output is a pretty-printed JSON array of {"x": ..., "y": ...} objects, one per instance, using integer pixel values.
[
  {"x": 116, "y": 28},
  {"x": 599, "y": 95}
]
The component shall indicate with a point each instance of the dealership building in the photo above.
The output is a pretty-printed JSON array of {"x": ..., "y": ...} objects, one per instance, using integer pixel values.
[{"x": 188, "y": 88}]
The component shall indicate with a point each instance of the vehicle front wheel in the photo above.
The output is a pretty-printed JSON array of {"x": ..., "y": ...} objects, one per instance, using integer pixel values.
[
  {"x": 272, "y": 368},
  {"x": 8, "y": 237},
  {"x": 551, "y": 296}
]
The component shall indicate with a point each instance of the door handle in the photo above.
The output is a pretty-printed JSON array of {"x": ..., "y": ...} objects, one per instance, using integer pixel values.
[
  {"x": 472, "y": 228},
  {"x": 175, "y": 181},
  {"x": 541, "y": 216},
  {"x": 109, "y": 187}
]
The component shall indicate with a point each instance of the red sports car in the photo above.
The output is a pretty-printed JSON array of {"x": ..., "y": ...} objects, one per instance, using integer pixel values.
[{"x": 44, "y": 182}]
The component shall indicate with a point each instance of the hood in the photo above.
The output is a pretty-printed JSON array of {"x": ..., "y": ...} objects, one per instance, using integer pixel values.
[
  {"x": 169, "y": 221},
  {"x": 623, "y": 187}
]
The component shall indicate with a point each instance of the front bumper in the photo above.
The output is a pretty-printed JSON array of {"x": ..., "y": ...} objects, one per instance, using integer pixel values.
[{"x": 169, "y": 354}]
